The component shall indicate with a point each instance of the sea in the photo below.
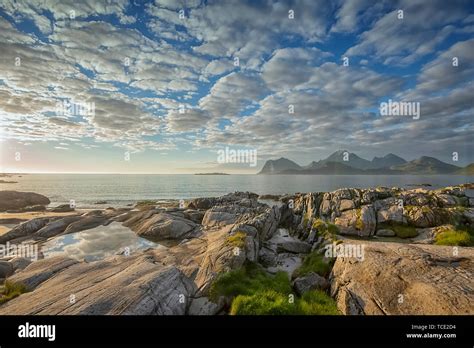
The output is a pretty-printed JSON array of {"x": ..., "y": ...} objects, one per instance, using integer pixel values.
[{"x": 118, "y": 190}]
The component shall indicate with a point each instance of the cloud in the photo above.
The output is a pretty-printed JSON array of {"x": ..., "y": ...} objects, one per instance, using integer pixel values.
[
  {"x": 450, "y": 68},
  {"x": 69, "y": 10},
  {"x": 290, "y": 67},
  {"x": 190, "y": 119},
  {"x": 230, "y": 29},
  {"x": 232, "y": 93},
  {"x": 403, "y": 41}
]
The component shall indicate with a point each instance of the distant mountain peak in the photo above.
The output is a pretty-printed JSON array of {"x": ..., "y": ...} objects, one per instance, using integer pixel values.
[
  {"x": 279, "y": 165},
  {"x": 336, "y": 163}
]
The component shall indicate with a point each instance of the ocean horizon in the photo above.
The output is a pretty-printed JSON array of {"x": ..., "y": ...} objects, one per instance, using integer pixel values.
[{"x": 119, "y": 190}]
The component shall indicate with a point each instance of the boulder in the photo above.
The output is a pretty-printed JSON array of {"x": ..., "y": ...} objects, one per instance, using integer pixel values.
[
  {"x": 85, "y": 223},
  {"x": 222, "y": 254},
  {"x": 195, "y": 216},
  {"x": 346, "y": 204},
  {"x": 361, "y": 222},
  {"x": 203, "y": 306},
  {"x": 163, "y": 226},
  {"x": 218, "y": 218},
  {"x": 56, "y": 227},
  {"x": 12, "y": 200},
  {"x": 469, "y": 215},
  {"x": 385, "y": 233},
  {"x": 6, "y": 269},
  {"x": 19, "y": 263},
  {"x": 412, "y": 279},
  {"x": 311, "y": 281},
  {"x": 427, "y": 217},
  {"x": 201, "y": 203},
  {"x": 267, "y": 256},
  {"x": 389, "y": 210}
]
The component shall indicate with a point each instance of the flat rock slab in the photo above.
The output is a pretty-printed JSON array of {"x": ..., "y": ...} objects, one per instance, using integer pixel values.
[
  {"x": 118, "y": 285},
  {"x": 395, "y": 278}
]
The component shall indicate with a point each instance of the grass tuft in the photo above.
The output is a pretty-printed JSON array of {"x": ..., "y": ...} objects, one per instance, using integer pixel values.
[
  {"x": 313, "y": 262},
  {"x": 248, "y": 280},
  {"x": 237, "y": 239},
  {"x": 454, "y": 238},
  {"x": 10, "y": 290},
  {"x": 269, "y": 302}
]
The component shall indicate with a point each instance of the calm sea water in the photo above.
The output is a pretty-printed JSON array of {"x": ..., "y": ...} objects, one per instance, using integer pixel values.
[{"x": 119, "y": 190}]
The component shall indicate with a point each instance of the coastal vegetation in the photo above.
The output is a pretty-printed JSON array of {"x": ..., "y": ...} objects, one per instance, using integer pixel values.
[
  {"x": 10, "y": 290},
  {"x": 252, "y": 291}
]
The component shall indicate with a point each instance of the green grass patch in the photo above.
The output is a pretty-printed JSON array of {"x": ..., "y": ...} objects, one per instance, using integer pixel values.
[
  {"x": 317, "y": 302},
  {"x": 401, "y": 230},
  {"x": 263, "y": 302},
  {"x": 248, "y": 280},
  {"x": 454, "y": 238},
  {"x": 325, "y": 229},
  {"x": 237, "y": 239},
  {"x": 319, "y": 225},
  {"x": 313, "y": 262},
  {"x": 269, "y": 302},
  {"x": 10, "y": 290},
  {"x": 333, "y": 229}
]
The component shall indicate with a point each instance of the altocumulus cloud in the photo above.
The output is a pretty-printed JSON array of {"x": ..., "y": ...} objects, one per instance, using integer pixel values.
[{"x": 167, "y": 75}]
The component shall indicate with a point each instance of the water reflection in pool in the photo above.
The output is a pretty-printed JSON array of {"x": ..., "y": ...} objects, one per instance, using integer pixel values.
[{"x": 97, "y": 243}]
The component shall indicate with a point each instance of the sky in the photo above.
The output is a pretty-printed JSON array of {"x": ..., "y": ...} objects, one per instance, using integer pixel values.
[{"x": 118, "y": 86}]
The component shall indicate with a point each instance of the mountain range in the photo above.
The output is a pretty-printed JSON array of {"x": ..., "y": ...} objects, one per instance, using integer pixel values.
[{"x": 343, "y": 163}]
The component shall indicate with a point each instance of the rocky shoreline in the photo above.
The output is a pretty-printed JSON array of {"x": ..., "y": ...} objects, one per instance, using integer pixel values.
[{"x": 350, "y": 251}]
